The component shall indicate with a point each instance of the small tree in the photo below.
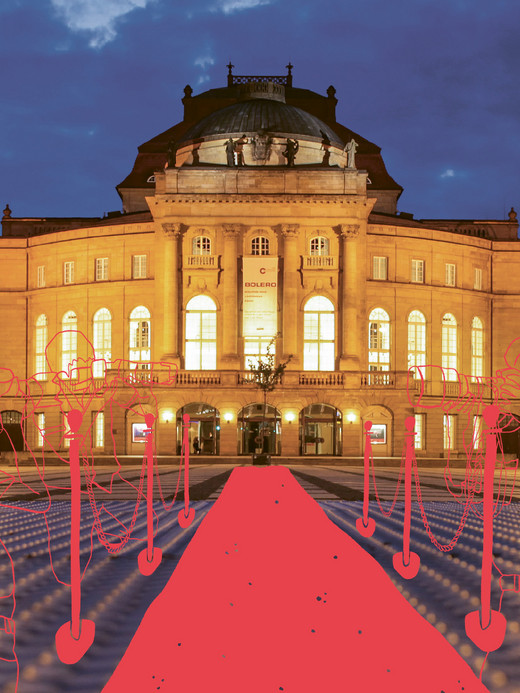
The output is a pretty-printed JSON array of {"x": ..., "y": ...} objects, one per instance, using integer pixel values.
[{"x": 266, "y": 376}]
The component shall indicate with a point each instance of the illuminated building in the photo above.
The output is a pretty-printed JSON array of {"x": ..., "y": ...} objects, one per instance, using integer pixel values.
[{"x": 249, "y": 219}]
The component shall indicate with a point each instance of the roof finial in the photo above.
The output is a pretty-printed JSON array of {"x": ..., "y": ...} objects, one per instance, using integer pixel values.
[
  {"x": 7, "y": 212},
  {"x": 289, "y": 73},
  {"x": 512, "y": 214},
  {"x": 230, "y": 67}
]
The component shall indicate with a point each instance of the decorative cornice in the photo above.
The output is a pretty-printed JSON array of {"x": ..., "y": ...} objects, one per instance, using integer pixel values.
[
  {"x": 348, "y": 232},
  {"x": 173, "y": 230},
  {"x": 289, "y": 230},
  {"x": 246, "y": 198},
  {"x": 232, "y": 230}
]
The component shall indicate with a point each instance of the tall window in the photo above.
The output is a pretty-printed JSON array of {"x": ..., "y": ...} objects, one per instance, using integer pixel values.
[
  {"x": 40, "y": 281},
  {"x": 101, "y": 269},
  {"x": 419, "y": 431},
  {"x": 319, "y": 245},
  {"x": 40, "y": 429},
  {"x": 139, "y": 268},
  {"x": 102, "y": 333},
  {"x": 449, "y": 346},
  {"x": 477, "y": 349},
  {"x": 449, "y": 430},
  {"x": 66, "y": 431},
  {"x": 379, "y": 267},
  {"x": 450, "y": 273},
  {"x": 201, "y": 245},
  {"x": 40, "y": 344},
  {"x": 98, "y": 428},
  {"x": 68, "y": 272},
  {"x": 140, "y": 337},
  {"x": 255, "y": 348},
  {"x": 417, "y": 271},
  {"x": 69, "y": 342},
  {"x": 477, "y": 432},
  {"x": 379, "y": 340},
  {"x": 201, "y": 334},
  {"x": 477, "y": 281},
  {"x": 318, "y": 334},
  {"x": 416, "y": 339},
  {"x": 259, "y": 245}
]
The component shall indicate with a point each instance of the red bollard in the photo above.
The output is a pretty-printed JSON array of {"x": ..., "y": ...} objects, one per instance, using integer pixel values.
[
  {"x": 486, "y": 627},
  {"x": 74, "y": 637},
  {"x": 366, "y": 525},
  {"x": 149, "y": 558},
  {"x": 406, "y": 562},
  {"x": 186, "y": 515}
]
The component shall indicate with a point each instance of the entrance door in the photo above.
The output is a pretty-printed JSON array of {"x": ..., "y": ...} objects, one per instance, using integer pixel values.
[
  {"x": 320, "y": 430},
  {"x": 11, "y": 437},
  {"x": 204, "y": 429},
  {"x": 257, "y": 433}
]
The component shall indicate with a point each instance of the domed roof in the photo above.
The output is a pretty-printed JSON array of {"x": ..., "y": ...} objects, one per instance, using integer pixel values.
[{"x": 262, "y": 114}]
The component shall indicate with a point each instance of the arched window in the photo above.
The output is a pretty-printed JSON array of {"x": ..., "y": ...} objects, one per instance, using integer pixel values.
[
  {"x": 201, "y": 245},
  {"x": 140, "y": 337},
  {"x": 259, "y": 245},
  {"x": 379, "y": 340},
  {"x": 201, "y": 334},
  {"x": 40, "y": 344},
  {"x": 416, "y": 339},
  {"x": 449, "y": 346},
  {"x": 319, "y": 246},
  {"x": 477, "y": 349},
  {"x": 318, "y": 334},
  {"x": 69, "y": 341},
  {"x": 102, "y": 332}
]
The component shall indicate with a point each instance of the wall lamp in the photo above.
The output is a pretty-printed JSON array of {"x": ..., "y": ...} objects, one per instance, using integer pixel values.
[
  {"x": 228, "y": 417},
  {"x": 166, "y": 416},
  {"x": 290, "y": 416},
  {"x": 351, "y": 417}
]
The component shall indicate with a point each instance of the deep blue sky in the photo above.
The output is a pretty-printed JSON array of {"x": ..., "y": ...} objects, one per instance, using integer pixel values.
[{"x": 433, "y": 82}]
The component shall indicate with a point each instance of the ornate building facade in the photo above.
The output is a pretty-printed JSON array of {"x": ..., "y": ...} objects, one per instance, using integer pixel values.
[{"x": 259, "y": 220}]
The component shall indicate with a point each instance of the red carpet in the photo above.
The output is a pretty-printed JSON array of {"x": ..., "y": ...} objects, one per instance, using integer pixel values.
[{"x": 271, "y": 596}]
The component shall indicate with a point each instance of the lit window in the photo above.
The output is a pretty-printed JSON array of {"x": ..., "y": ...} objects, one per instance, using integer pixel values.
[
  {"x": 66, "y": 431},
  {"x": 40, "y": 345},
  {"x": 254, "y": 348},
  {"x": 102, "y": 338},
  {"x": 201, "y": 245},
  {"x": 477, "y": 349},
  {"x": 449, "y": 346},
  {"x": 477, "y": 432},
  {"x": 101, "y": 269},
  {"x": 319, "y": 245},
  {"x": 379, "y": 268},
  {"x": 379, "y": 340},
  {"x": 318, "y": 334},
  {"x": 418, "y": 271},
  {"x": 98, "y": 427},
  {"x": 40, "y": 281},
  {"x": 260, "y": 245},
  {"x": 449, "y": 430},
  {"x": 69, "y": 342},
  {"x": 419, "y": 432},
  {"x": 140, "y": 352},
  {"x": 450, "y": 274},
  {"x": 40, "y": 429},
  {"x": 201, "y": 334},
  {"x": 477, "y": 283},
  {"x": 416, "y": 339},
  {"x": 68, "y": 272},
  {"x": 139, "y": 266}
]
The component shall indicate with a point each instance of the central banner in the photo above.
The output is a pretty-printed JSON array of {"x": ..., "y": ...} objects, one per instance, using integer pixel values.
[{"x": 260, "y": 296}]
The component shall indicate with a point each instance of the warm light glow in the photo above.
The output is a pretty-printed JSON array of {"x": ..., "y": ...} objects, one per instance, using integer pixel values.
[
  {"x": 351, "y": 417},
  {"x": 290, "y": 416},
  {"x": 228, "y": 417},
  {"x": 166, "y": 415}
]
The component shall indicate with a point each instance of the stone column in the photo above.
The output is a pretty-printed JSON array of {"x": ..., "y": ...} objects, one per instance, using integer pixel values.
[
  {"x": 290, "y": 295},
  {"x": 170, "y": 336},
  {"x": 230, "y": 358},
  {"x": 351, "y": 291}
]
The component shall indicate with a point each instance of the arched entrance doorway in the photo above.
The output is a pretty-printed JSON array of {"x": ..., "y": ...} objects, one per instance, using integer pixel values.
[
  {"x": 205, "y": 425},
  {"x": 11, "y": 435},
  {"x": 250, "y": 423},
  {"x": 320, "y": 430}
]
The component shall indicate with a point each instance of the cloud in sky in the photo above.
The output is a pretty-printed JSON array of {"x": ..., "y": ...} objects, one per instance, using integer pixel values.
[
  {"x": 230, "y": 6},
  {"x": 97, "y": 17},
  {"x": 448, "y": 173},
  {"x": 204, "y": 61}
]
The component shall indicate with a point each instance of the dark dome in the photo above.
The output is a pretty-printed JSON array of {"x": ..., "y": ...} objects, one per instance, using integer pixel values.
[{"x": 261, "y": 114}]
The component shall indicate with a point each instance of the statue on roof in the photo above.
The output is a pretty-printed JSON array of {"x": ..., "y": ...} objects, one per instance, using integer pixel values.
[
  {"x": 290, "y": 151},
  {"x": 230, "y": 152},
  {"x": 172, "y": 153},
  {"x": 351, "y": 149}
]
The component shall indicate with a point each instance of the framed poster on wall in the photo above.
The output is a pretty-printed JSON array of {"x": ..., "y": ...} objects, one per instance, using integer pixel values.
[{"x": 378, "y": 434}]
